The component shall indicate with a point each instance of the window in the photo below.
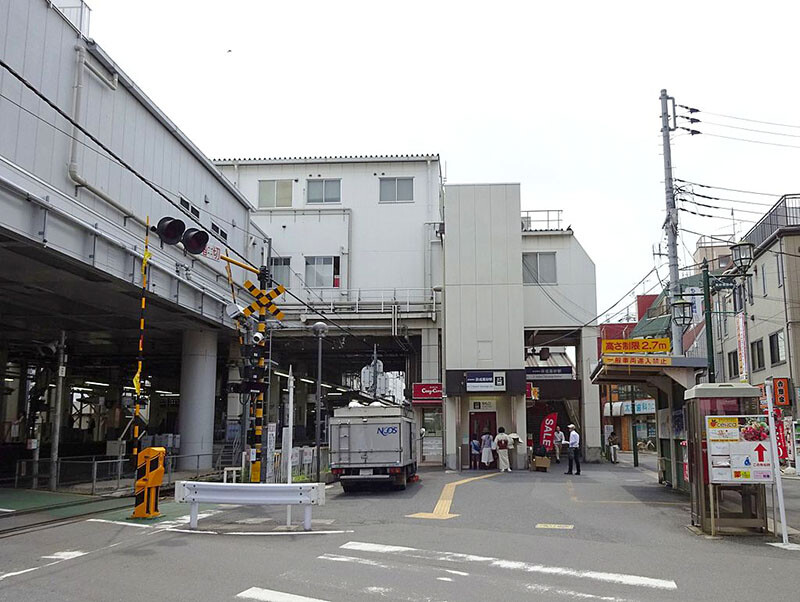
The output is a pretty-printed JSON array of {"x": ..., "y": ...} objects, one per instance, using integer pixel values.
[
  {"x": 738, "y": 298},
  {"x": 764, "y": 279},
  {"x": 397, "y": 190},
  {"x": 190, "y": 208},
  {"x": 750, "y": 288},
  {"x": 779, "y": 269},
  {"x": 324, "y": 191},
  {"x": 322, "y": 272},
  {"x": 274, "y": 193},
  {"x": 724, "y": 315},
  {"x": 719, "y": 366},
  {"x": 539, "y": 268},
  {"x": 281, "y": 270},
  {"x": 757, "y": 354},
  {"x": 777, "y": 348},
  {"x": 733, "y": 364},
  {"x": 219, "y": 231}
]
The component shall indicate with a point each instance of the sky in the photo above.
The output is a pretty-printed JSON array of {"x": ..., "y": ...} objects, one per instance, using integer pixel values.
[{"x": 562, "y": 97}]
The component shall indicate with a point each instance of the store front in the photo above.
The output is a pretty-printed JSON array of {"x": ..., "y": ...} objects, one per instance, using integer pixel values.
[{"x": 427, "y": 403}]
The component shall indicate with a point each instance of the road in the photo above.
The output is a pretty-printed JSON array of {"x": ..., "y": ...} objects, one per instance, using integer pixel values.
[{"x": 610, "y": 534}]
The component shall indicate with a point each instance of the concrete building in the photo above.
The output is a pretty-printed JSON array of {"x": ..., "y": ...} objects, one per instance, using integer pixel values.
[
  {"x": 426, "y": 272},
  {"x": 85, "y": 159}
]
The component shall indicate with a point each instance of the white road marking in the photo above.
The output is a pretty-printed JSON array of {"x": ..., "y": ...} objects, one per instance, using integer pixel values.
[
  {"x": 258, "y": 520},
  {"x": 15, "y": 573},
  {"x": 553, "y": 526},
  {"x": 452, "y": 572},
  {"x": 121, "y": 523},
  {"x": 374, "y": 589},
  {"x": 354, "y": 560},
  {"x": 289, "y": 532},
  {"x": 65, "y": 555},
  {"x": 619, "y": 578},
  {"x": 270, "y": 595},
  {"x": 328, "y": 486},
  {"x": 6, "y": 510},
  {"x": 786, "y": 546},
  {"x": 444, "y": 579},
  {"x": 176, "y": 530},
  {"x": 546, "y": 589}
]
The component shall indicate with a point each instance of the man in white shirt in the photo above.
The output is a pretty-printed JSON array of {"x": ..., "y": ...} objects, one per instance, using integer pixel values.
[
  {"x": 574, "y": 451},
  {"x": 558, "y": 442}
]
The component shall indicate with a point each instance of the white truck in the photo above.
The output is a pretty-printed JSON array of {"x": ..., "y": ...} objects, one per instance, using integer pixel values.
[{"x": 373, "y": 443}]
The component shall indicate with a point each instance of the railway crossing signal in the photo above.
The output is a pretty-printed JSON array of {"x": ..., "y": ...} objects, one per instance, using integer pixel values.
[
  {"x": 171, "y": 231},
  {"x": 264, "y": 300}
]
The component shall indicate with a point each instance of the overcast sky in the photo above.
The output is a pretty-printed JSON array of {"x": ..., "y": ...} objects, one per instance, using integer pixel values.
[{"x": 559, "y": 96}]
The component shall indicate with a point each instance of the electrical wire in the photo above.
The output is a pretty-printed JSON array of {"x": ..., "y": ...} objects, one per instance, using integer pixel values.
[
  {"x": 157, "y": 189},
  {"x": 785, "y": 125},
  {"x": 735, "y": 127},
  {"x": 718, "y": 207},
  {"x": 711, "y": 236},
  {"x": 725, "y": 217},
  {"x": 730, "y": 190},
  {"x": 695, "y": 132}
]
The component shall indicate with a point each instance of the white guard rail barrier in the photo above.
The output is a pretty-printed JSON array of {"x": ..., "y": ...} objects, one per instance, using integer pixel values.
[{"x": 253, "y": 494}]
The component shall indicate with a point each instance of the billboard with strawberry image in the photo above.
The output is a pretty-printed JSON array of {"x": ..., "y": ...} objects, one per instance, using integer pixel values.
[{"x": 739, "y": 449}]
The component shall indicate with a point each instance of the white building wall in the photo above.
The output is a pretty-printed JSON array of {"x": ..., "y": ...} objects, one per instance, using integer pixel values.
[
  {"x": 573, "y": 300},
  {"x": 384, "y": 247}
]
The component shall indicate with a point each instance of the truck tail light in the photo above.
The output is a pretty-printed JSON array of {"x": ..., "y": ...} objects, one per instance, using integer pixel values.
[
  {"x": 396, "y": 470},
  {"x": 337, "y": 471}
]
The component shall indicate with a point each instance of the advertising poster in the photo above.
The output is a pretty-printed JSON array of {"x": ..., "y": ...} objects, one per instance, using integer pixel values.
[{"x": 739, "y": 449}]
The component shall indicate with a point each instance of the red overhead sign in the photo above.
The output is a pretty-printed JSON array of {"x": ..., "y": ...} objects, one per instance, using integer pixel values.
[{"x": 426, "y": 392}]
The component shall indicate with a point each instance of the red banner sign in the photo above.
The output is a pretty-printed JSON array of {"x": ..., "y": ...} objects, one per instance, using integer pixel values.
[
  {"x": 781, "y": 390},
  {"x": 426, "y": 392},
  {"x": 547, "y": 430},
  {"x": 780, "y": 438}
]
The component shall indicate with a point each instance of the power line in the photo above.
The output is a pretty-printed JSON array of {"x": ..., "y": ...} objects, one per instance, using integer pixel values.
[
  {"x": 695, "y": 132},
  {"x": 729, "y": 190},
  {"x": 785, "y": 125},
  {"x": 157, "y": 189},
  {"x": 729, "y": 242},
  {"x": 718, "y": 207},
  {"x": 735, "y": 127},
  {"x": 725, "y": 217}
]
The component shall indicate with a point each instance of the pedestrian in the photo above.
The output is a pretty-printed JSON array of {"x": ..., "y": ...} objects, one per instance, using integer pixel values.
[
  {"x": 574, "y": 450},
  {"x": 487, "y": 441},
  {"x": 613, "y": 446},
  {"x": 558, "y": 441},
  {"x": 474, "y": 452},
  {"x": 503, "y": 442}
]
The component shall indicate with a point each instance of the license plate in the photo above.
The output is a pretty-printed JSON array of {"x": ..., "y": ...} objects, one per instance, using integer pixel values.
[{"x": 365, "y": 471}]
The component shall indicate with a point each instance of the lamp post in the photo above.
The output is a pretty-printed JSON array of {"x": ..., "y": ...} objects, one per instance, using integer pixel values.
[
  {"x": 319, "y": 329},
  {"x": 743, "y": 255},
  {"x": 681, "y": 313}
]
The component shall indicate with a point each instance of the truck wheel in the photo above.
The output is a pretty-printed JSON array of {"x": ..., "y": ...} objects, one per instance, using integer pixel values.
[
  {"x": 348, "y": 487},
  {"x": 400, "y": 482}
]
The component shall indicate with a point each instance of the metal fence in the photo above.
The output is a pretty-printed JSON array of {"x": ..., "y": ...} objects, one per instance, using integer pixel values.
[
  {"x": 100, "y": 474},
  {"x": 786, "y": 212}
]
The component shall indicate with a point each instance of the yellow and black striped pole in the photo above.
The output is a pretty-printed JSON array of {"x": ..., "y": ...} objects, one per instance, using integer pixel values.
[
  {"x": 137, "y": 383},
  {"x": 255, "y": 467}
]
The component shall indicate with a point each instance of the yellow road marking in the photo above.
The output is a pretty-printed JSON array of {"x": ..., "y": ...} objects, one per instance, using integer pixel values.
[
  {"x": 442, "y": 509},
  {"x": 553, "y": 526}
]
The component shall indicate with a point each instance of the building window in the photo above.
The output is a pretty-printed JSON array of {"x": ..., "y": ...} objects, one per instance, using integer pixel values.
[
  {"x": 190, "y": 207},
  {"x": 281, "y": 270},
  {"x": 397, "y": 190},
  {"x": 719, "y": 366},
  {"x": 733, "y": 364},
  {"x": 777, "y": 348},
  {"x": 764, "y": 279},
  {"x": 738, "y": 298},
  {"x": 322, "y": 272},
  {"x": 779, "y": 269},
  {"x": 274, "y": 193},
  {"x": 757, "y": 354},
  {"x": 324, "y": 191},
  {"x": 750, "y": 288},
  {"x": 219, "y": 231},
  {"x": 539, "y": 268}
]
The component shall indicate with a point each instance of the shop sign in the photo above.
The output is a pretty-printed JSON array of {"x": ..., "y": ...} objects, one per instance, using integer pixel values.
[
  {"x": 780, "y": 439},
  {"x": 479, "y": 405},
  {"x": 549, "y": 373},
  {"x": 780, "y": 387},
  {"x": 426, "y": 392},
  {"x": 637, "y": 360},
  {"x": 547, "y": 430},
  {"x": 741, "y": 347},
  {"x": 739, "y": 449},
  {"x": 485, "y": 381},
  {"x": 643, "y": 406},
  {"x": 531, "y": 392},
  {"x": 636, "y": 345}
]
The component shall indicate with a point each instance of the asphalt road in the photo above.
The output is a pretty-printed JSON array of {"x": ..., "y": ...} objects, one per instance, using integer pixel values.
[{"x": 610, "y": 534}]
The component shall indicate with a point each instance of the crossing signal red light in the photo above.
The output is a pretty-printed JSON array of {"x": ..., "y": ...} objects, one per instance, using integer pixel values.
[
  {"x": 195, "y": 241},
  {"x": 170, "y": 230}
]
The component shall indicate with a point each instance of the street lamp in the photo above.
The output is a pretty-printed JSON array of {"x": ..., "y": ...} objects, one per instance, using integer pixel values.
[
  {"x": 682, "y": 313},
  {"x": 319, "y": 329},
  {"x": 742, "y": 254}
]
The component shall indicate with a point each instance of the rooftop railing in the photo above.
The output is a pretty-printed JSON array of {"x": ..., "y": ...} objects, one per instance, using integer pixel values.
[
  {"x": 541, "y": 219},
  {"x": 786, "y": 212}
]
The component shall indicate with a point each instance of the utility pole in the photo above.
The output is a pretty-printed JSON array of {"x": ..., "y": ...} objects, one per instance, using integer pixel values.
[
  {"x": 712, "y": 377},
  {"x": 671, "y": 223},
  {"x": 635, "y": 434},
  {"x": 55, "y": 440}
]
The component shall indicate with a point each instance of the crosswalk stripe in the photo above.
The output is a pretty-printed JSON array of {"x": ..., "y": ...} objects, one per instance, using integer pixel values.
[
  {"x": 270, "y": 595},
  {"x": 618, "y": 578}
]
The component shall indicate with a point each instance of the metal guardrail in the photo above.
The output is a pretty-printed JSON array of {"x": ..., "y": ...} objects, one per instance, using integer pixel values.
[
  {"x": 363, "y": 300},
  {"x": 541, "y": 219},
  {"x": 786, "y": 212}
]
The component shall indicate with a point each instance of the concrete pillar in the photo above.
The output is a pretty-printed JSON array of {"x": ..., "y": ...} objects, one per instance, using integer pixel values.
[
  {"x": 590, "y": 395},
  {"x": 196, "y": 412},
  {"x": 431, "y": 373},
  {"x": 452, "y": 407},
  {"x": 519, "y": 425}
]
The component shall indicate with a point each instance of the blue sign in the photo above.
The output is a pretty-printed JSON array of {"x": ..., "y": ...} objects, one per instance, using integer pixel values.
[
  {"x": 549, "y": 373},
  {"x": 485, "y": 381}
]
